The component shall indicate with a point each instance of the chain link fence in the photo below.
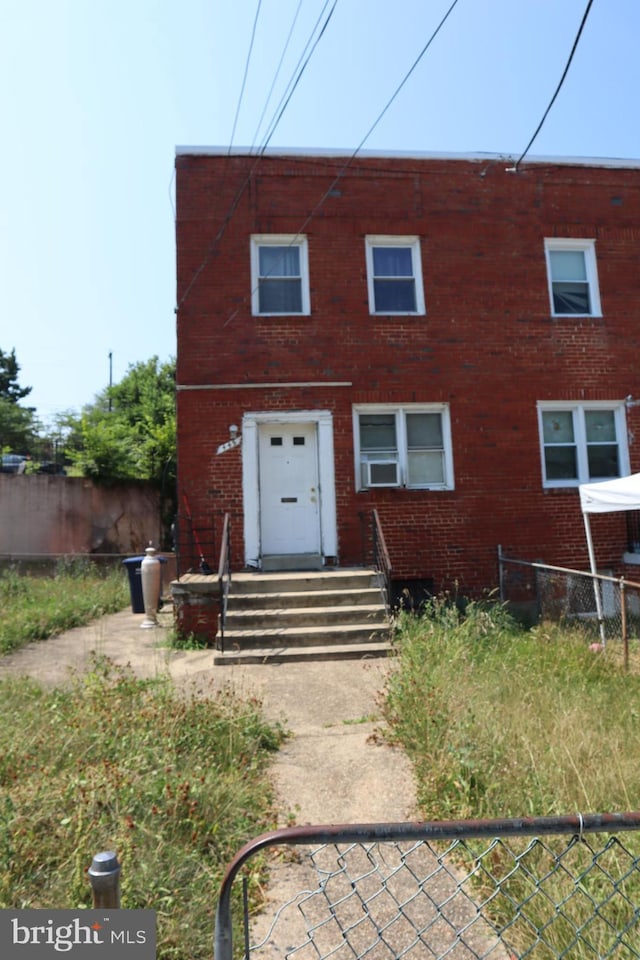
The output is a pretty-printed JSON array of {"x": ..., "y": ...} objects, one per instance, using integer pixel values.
[
  {"x": 562, "y": 595},
  {"x": 540, "y": 888}
]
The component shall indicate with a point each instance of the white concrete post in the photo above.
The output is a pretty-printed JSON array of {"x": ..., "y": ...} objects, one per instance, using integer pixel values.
[{"x": 151, "y": 576}]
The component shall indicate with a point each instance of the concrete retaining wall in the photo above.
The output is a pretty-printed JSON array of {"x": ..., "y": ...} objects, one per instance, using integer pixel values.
[{"x": 42, "y": 515}]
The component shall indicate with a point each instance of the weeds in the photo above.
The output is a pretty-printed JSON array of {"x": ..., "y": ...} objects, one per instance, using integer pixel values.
[
  {"x": 34, "y": 608},
  {"x": 504, "y": 722},
  {"x": 177, "y": 640},
  {"x": 175, "y": 786}
]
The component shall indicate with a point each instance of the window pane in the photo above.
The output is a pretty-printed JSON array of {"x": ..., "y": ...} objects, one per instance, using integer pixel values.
[
  {"x": 567, "y": 265},
  {"x": 378, "y": 431},
  {"x": 280, "y": 296},
  {"x": 603, "y": 461},
  {"x": 571, "y": 298},
  {"x": 600, "y": 426},
  {"x": 424, "y": 430},
  {"x": 560, "y": 463},
  {"x": 392, "y": 262},
  {"x": 279, "y": 261},
  {"x": 394, "y": 296},
  {"x": 557, "y": 426},
  {"x": 425, "y": 467}
]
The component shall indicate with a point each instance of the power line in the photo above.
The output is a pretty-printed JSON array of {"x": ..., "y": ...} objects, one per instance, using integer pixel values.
[
  {"x": 246, "y": 71},
  {"x": 274, "y": 123},
  {"x": 295, "y": 79},
  {"x": 344, "y": 168},
  {"x": 405, "y": 78},
  {"x": 514, "y": 168},
  {"x": 357, "y": 150},
  {"x": 277, "y": 73},
  {"x": 373, "y": 126}
]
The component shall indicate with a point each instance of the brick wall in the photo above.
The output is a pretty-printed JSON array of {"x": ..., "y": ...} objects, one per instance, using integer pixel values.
[{"x": 487, "y": 346}]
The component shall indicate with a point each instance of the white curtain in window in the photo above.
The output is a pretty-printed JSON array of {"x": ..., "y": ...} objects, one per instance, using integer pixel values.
[
  {"x": 279, "y": 261},
  {"x": 392, "y": 262}
]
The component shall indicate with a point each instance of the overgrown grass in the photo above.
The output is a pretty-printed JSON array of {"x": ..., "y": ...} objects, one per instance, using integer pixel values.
[
  {"x": 34, "y": 608},
  {"x": 505, "y": 722},
  {"x": 174, "y": 785}
]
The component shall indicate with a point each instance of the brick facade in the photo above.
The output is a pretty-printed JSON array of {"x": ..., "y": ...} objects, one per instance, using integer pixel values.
[{"x": 487, "y": 346}]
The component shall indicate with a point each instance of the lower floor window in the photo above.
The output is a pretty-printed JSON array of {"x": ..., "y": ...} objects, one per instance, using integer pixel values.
[
  {"x": 582, "y": 442},
  {"x": 406, "y": 446}
]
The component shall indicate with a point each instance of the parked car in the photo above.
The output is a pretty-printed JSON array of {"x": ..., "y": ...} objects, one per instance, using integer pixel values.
[
  {"x": 13, "y": 463},
  {"x": 49, "y": 466}
]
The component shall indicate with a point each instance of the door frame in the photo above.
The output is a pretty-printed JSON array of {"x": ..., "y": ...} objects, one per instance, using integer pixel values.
[{"x": 251, "y": 484}]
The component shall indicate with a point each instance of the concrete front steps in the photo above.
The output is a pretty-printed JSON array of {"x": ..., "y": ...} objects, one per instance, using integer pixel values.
[{"x": 285, "y": 616}]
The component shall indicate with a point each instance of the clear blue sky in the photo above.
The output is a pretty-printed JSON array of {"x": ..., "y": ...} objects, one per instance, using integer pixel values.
[{"x": 96, "y": 94}]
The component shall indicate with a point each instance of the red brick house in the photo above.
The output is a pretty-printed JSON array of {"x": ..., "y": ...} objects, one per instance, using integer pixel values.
[{"x": 444, "y": 339}]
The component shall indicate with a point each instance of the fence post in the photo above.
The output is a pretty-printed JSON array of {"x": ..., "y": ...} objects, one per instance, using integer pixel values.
[
  {"x": 623, "y": 622},
  {"x": 104, "y": 875}
]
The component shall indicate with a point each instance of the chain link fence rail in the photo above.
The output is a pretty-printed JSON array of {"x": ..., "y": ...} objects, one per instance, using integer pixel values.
[
  {"x": 559, "y": 594},
  {"x": 543, "y": 888}
]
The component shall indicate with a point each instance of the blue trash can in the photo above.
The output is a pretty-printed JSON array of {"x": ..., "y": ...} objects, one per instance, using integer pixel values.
[{"x": 134, "y": 569}]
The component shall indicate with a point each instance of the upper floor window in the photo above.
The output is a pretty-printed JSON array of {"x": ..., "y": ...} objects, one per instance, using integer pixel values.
[
  {"x": 582, "y": 442},
  {"x": 279, "y": 275},
  {"x": 394, "y": 275},
  {"x": 573, "y": 278},
  {"x": 407, "y": 446}
]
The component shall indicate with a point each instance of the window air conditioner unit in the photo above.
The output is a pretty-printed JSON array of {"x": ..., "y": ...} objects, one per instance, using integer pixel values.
[{"x": 381, "y": 473}]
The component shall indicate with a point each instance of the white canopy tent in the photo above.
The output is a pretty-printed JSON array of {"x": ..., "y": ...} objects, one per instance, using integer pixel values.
[{"x": 608, "y": 496}]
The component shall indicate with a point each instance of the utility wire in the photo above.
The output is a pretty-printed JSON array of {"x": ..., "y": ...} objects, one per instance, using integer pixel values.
[
  {"x": 404, "y": 80},
  {"x": 246, "y": 71},
  {"x": 277, "y": 73},
  {"x": 373, "y": 126},
  {"x": 342, "y": 170},
  {"x": 296, "y": 77},
  {"x": 514, "y": 168},
  {"x": 247, "y": 180},
  {"x": 357, "y": 150}
]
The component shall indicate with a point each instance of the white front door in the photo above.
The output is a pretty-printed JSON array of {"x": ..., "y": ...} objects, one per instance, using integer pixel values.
[{"x": 289, "y": 495}]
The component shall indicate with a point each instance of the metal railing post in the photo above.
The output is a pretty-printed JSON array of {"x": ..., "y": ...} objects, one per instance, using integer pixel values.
[
  {"x": 224, "y": 576},
  {"x": 500, "y": 573},
  {"x": 623, "y": 623},
  {"x": 104, "y": 875}
]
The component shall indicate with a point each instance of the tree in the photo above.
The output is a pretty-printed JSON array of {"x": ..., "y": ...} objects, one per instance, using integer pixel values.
[
  {"x": 18, "y": 426},
  {"x": 9, "y": 370},
  {"x": 129, "y": 432}
]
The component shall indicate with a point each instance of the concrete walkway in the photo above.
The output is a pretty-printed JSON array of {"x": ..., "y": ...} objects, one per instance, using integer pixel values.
[{"x": 332, "y": 769}]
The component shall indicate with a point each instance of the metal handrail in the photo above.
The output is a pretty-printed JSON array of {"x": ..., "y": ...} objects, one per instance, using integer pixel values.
[
  {"x": 224, "y": 574},
  {"x": 381, "y": 558}
]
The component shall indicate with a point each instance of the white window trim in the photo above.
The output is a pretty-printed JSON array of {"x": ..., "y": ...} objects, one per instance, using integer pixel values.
[
  {"x": 580, "y": 439},
  {"x": 588, "y": 247},
  {"x": 279, "y": 240},
  {"x": 401, "y": 437},
  {"x": 416, "y": 260}
]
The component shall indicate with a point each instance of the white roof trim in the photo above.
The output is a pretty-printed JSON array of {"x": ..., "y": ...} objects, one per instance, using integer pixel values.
[{"x": 216, "y": 151}]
